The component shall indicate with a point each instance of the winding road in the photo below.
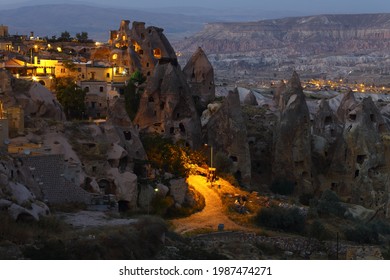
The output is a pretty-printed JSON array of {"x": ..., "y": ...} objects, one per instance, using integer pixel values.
[{"x": 212, "y": 214}]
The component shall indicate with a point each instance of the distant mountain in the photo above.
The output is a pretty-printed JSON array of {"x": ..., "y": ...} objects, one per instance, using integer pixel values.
[
  {"x": 97, "y": 20},
  {"x": 48, "y": 20},
  {"x": 296, "y": 36}
]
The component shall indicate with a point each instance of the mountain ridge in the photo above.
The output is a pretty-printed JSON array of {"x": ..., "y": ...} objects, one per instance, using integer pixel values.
[
  {"x": 52, "y": 19},
  {"x": 305, "y": 35}
]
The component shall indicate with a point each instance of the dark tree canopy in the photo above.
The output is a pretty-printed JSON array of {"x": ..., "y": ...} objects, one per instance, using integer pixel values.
[
  {"x": 65, "y": 36},
  {"x": 82, "y": 37},
  {"x": 72, "y": 98}
]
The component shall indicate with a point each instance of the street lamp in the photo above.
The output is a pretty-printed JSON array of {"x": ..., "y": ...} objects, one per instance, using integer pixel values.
[
  {"x": 150, "y": 197},
  {"x": 211, "y": 175},
  {"x": 211, "y": 154}
]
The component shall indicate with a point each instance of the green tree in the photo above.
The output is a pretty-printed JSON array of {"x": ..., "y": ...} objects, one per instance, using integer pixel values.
[
  {"x": 137, "y": 77},
  {"x": 82, "y": 37},
  {"x": 173, "y": 158},
  {"x": 65, "y": 36},
  {"x": 132, "y": 93},
  {"x": 68, "y": 64},
  {"x": 72, "y": 99}
]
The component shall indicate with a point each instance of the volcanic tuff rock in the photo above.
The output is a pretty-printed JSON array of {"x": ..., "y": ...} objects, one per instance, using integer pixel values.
[
  {"x": 226, "y": 132},
  {"x": 167, "y": 108},
  {"x": 200, "y": 76},
  {"x": 139, "y": 48},
  {"x": 292, "y": 138},
  {"x": 327, "y": 130},
  {"x": 19, "y": 201},
  {"x": 360, "y": 164},
  {"x": 120, "y": 130},
  {"x": 34, "y": 99},
  {"x": 125, "y": 186}
]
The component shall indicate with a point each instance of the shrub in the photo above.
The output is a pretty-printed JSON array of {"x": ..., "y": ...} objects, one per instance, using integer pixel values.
[
  {"x": 141, "y": 241},
  {"x": 287, "y": 219},
  {"x": 283, "y": 187},
  {"x": 305, "y": 198},
  {"x": 380, "y": 226},
  {"x": 318, "y": 230},
  {"x": 363, "y": 234},
  {"x": 329, "y": 204},
  {"x": 223, "y": 163}
]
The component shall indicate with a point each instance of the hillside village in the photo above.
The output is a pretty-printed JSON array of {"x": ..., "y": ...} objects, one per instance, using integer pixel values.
[
  {"x": 34, "y": 126},
  {"x": 142, "y": 130}
]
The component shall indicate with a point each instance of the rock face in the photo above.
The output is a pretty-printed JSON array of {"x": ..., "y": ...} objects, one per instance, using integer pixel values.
[
  {"x": 120, "y": 131},
  {"x": 33, "y": 98},
  {"x": 226, "y": 132},
  {"x": 292, "y": 137},
  {"x": 139, "y": 48},
  {"x": 19, "y": 201},
  {"x": 125, "y": 186},
  {"x": 167, "y": 108},
  {"x": 200, "y": 76},
  {"x": 327, "y": 130},
  {"x": 296, "y": 35},
  {"x": 360, "y": 163}
]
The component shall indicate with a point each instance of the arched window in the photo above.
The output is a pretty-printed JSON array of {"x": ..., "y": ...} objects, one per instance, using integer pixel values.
[{"x": 157, "y": 53}]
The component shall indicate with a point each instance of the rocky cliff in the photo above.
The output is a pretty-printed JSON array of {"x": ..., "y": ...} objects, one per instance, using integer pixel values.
[
  {"x": 200, "y": 77},
  {"x": 226, "y": 132},
  {"x": 292, "y": 138},
  {"x": 297, "y": 35},
  {"x": 167, "y": 108}
]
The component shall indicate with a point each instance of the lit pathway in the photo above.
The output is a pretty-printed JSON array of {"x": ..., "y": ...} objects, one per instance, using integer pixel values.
[{"x": 211, "y": 215}]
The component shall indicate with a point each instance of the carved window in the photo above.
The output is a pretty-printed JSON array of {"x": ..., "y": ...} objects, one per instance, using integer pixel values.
[
  {"x": 182, "y": 128},
  {"x": 157, "y": 53}
]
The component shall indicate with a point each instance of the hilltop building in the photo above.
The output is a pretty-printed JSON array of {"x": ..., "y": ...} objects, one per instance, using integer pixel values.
[
  {"x": 3, "y": 31},
  {"x": 139, "y": 48}
]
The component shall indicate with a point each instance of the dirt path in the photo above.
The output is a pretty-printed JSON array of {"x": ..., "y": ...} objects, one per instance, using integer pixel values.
[{"x": 212, "y": 214}]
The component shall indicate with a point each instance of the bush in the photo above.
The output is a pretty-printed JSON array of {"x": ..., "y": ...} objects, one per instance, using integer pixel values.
[
  {"x": 282, "y": 186},
  {"x": 223, "y": 163},
  {"x": 380, "y": 226},
  {"x": 287, "y": 219},
  {"x": 141, "y": 241},
  {"x": 329, "y": 204},
  {"x": 305, "y": 198},
  {"x": 362, "y": 234},
  {"x": 318, "y": 230}
]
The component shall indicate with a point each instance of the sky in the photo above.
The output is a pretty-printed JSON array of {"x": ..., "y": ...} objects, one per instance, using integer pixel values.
[{"x": 302, "y": 6}]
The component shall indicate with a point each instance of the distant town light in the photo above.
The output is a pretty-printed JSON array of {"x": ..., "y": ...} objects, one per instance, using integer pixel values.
[{"x": 59, "y": 49}]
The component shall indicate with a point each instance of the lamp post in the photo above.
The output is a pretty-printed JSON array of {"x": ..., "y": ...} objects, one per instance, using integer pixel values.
[
  {"x": 150, "y": 197},
  {"x": 211, "y": 154}
]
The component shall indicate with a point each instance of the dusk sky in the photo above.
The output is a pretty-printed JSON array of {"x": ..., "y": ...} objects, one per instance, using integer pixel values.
[{"x": 303, "y": 6}]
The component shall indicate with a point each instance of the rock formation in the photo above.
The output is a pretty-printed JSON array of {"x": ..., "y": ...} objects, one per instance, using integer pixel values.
[
  {"x": 360, "y": 167},
  {"x": 120, "y": 130},
  {"x": 125, "y": 186},
  {"x": 292, "y": 138},
  {"x": 200, "y": 76},
  {"x": 327, "y": 130},
  {"x": 17, "y": 199},
  {"x": 33, "y": 98},
  {"x": 167, "y": 108},
  {"x": 226, "y": 132},
  {"x": 139, "y": 48}
]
